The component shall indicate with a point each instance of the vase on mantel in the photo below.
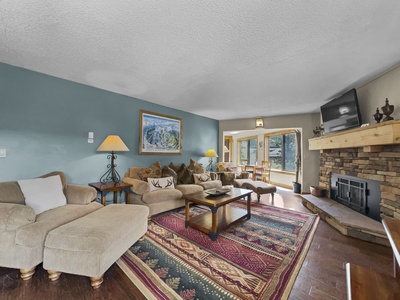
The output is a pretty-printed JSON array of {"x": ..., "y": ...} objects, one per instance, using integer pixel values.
[
  {"x": 387, "y": 111},
  {"x": 378, "y": 116}
]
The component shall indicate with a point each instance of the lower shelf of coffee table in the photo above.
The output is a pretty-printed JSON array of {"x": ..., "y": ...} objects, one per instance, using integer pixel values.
[{"x": 226, "y": 216}]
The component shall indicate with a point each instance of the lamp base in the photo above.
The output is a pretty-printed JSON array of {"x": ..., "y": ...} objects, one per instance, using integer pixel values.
[
  {"x": 111, "y": 174},
  {"x": 210, "y": 163}
]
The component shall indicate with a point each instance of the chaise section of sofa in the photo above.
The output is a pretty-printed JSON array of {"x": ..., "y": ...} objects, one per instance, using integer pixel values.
[{"x": 23, "y": 232}]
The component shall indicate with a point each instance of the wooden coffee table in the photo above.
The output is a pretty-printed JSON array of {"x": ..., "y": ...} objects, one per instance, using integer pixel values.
[{"x": 221, "y": 215}]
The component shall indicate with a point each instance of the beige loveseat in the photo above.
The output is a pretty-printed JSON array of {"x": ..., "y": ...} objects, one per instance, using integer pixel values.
[
  {"x": 23, "y": 233},
  {"x": 164, "y": 199},
  {"x": 229, "y": 171}
]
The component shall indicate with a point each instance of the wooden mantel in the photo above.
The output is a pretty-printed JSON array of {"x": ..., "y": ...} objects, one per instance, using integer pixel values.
[{"x": 370, "y": 137}]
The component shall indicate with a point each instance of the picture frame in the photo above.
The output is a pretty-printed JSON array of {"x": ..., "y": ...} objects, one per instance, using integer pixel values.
[{"x": 160, "y": 134}]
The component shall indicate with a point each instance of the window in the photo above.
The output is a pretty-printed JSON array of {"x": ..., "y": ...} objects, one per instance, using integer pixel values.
[
  {"x": 248, "y": 151},
  {"x": 282, "y": 151}
]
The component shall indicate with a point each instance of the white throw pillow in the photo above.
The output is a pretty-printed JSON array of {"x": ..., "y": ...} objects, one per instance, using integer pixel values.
[
  {"x": 160, "y": 183},
  {"x": 43, "y": 193},
  {"x": 199, "y": 178}
]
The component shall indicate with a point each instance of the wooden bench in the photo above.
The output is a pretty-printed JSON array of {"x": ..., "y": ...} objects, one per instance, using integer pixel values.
[{"x": 364, "y": 283}]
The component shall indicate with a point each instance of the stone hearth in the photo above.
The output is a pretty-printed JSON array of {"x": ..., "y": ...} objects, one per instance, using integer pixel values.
[{"x": 346, "y": 220}]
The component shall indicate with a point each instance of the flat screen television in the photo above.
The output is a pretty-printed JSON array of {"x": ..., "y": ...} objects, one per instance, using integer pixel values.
[{"x": 341, "y": 113}]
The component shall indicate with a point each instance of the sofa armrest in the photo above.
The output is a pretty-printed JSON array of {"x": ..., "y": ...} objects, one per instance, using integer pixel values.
[
  {"x": 80, "y": 194},
  {"x": 138, "y": 186},
  {"x": 14, "y": 216}
]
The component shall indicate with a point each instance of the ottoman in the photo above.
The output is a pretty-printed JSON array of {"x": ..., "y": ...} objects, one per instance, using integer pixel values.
[
  {"x": 258, "y": 187},
  {"x": 89, "y": 245}
]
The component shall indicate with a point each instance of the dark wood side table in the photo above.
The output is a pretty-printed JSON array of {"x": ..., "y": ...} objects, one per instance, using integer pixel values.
[{"x": 105, "y": 187}]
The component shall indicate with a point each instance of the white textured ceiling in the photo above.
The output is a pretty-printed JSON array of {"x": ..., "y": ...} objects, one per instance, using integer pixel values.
[{"x": 224, "y": 59}]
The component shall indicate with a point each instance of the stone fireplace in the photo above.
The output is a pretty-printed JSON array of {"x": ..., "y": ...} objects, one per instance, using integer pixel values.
[{"x": 382, "y": 166}]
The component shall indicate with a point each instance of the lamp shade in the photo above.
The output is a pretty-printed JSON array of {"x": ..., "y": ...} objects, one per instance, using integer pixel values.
[
  {"x": 226, "y": 149},
  {"x": 113, "y": 143},
  {"x": 211, "y": 153}
]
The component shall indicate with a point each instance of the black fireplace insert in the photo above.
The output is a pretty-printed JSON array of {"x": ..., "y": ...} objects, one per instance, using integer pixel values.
[{"x": 362, "y": 195}]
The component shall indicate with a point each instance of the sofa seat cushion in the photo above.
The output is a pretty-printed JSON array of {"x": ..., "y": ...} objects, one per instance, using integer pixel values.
[
  {"x": 14, "y": 216},
  {"x": 161, "y": 195},
  {"x": 189, "y": 188},
  {"x": 212, "y": 184},
  {"x": 34, "y": 234}
]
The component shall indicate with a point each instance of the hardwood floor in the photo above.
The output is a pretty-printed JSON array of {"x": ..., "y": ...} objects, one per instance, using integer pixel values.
[{"x": 322, "y": 275}]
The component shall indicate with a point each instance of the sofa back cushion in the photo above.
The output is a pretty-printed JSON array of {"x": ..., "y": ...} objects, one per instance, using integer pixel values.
[
  {"x": 226, "y": 167},
  {"x": 11, "y": 193}
]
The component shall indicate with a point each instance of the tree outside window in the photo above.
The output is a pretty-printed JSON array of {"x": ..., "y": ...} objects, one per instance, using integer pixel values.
[
  {"x": 248, "y": 151},
  {"x": 282, "y": 151}
]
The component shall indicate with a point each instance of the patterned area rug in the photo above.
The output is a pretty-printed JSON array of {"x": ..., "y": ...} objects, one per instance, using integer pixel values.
[{"x": 254, "y": 259}]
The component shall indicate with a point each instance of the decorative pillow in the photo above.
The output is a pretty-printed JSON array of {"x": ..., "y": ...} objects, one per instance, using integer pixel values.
[
  {"x": 174, "y": 167},
  {"x": 167, "y": 172},
  {"x": 156, "y": 184},
  {"x": 199, "y": 178},
  {"x": 185, "y": 176},
  {"x": 43, "y": 193},
  {"x": 154, "y": 171},
  {"x": 196, "y": 167}
]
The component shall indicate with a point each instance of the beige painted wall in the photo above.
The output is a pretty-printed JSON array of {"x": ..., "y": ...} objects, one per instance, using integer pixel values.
[
  {"x": 373, "y": 94},
  {"x": 306, "y": 122}
]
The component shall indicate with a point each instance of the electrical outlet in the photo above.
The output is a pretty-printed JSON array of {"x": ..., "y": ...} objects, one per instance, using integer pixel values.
[{"x": 2, "y": 152}]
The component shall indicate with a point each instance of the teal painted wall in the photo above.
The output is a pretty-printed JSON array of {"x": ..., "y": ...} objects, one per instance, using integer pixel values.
[{"x": 44, "y": 125}]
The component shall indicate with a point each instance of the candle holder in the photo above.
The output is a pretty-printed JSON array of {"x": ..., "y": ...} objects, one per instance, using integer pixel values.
[
  {"x": 387, "y": 111},
  {"x": 378, "y": 116}
]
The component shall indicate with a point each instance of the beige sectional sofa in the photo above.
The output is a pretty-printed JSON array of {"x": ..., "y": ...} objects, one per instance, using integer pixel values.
[
  {"x": 164, "y": 199},
  {"x": 47, "y": 220},
  {"x": 23, "y": 233}
]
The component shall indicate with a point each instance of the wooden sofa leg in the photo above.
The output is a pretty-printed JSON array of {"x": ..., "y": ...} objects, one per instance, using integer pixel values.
[
  {"x": 53, "y": 275},
  {"x": 27, "y": 274},
  {"x": 258, "y": 197},
  {"x": 96, "y": 281}
]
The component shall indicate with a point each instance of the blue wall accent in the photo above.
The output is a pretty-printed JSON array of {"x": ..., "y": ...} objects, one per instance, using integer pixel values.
[{"x": 44, "y": 125}]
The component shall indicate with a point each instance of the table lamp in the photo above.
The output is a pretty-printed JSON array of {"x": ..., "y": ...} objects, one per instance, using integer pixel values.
[
  {"x": 114, "y": 144},
  {"x": 210, "y": 153}
]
